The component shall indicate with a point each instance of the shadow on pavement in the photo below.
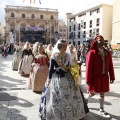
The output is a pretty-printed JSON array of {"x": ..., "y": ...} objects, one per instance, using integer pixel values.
[
  {"x": 113, "y": 94},
  {"x": 6, "y": 111},
  {"x": 5, "y": 77},
  {"x": 100, "y": 117},
  {"x": 6, "y": 81},
  {"x": 12, "y": 96}
]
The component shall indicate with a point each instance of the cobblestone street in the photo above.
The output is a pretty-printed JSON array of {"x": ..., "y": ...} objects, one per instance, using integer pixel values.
[{"x": 17, "y": 102}]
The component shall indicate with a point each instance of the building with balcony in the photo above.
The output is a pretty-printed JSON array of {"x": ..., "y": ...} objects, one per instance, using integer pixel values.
[
  {"x": 62, "y": 29},
  {"x": 84, "y": 25},
  {"x": 116, "y": 22},
  {"x": 18, "y": 18}
]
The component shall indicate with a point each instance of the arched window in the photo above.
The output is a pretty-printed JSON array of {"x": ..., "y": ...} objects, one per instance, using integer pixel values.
[
  {"x": 52, "y": 17},
  {"x": 41, "y": 17}
]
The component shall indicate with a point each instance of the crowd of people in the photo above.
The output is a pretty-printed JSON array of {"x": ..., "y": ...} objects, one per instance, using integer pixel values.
[
  {"x": 7, "y": 49},
  {"x": 55, "y": 72}
]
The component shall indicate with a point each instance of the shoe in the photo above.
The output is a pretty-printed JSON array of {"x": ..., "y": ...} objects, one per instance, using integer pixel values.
[{"x": 104, "y": 114}]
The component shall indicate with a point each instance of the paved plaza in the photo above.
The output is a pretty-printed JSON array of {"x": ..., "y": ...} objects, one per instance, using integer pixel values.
[{"x": 17, "y": 102}]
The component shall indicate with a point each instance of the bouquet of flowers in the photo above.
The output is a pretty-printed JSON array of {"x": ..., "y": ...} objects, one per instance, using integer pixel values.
[{"x": 74, "y": 71}]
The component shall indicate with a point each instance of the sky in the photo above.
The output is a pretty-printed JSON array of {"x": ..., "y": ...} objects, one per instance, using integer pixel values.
[{"x": 63, "y": 6}]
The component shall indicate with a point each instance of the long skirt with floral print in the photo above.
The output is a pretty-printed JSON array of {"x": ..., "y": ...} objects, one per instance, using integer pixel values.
[{"x": 61, "y": 101}]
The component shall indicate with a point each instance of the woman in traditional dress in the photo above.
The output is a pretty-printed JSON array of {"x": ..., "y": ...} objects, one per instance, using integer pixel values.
[
  {"x": 4, "y": 51},
  {"x": 26, "y": 60},
  {"x": 75, "y": 64},
  {"x": 17, "y": 56},
  {"x": 73, "y": 53},
  {"x": 49, "y": 50},
  {"x": 35, "y": 48},
  {"x": 11, "y": 49},
  {"x": 60, "y": 100},
  {"x": 39, "y": 72}
]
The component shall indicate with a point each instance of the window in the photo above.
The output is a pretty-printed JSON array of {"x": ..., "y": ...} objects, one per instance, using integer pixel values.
[
  {"x": 33, "y": 16},
  {"x": 70, "y": 28},
  {"x": 74, "y": 43},
  {"x": 84, "y": 34},
  {"x": 52, "y": 17},
  {"x": 95, "y": 11},
  {"x": 71, "y": 35},
  {"x": 74, "y": 28},
  {"x": 79, "y": 26},
  {"x": 23, "y": 15},
  {"x": 97, "y": 31},
  {"x": 98, "y": 22},
  {"x": 78, "y": 34},
  {"x": 41, "y": 17},
  {"x": 74, "y": 34},
  {"x": 12, "y": 15},
  {"x": 98, "y": 10},
  {"x": 90, "y": 33},
  {"x": 78, "y": 42},
  {"x": 94, "y": 31},
  {"x": 90, "y": 12},
  {"x": 90, "y": 23},
  {"x": 84, "y": 25}
]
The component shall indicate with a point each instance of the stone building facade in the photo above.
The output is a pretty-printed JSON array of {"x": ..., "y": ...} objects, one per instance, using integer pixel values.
[{"x": 20, "y": 17}]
